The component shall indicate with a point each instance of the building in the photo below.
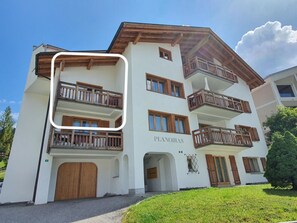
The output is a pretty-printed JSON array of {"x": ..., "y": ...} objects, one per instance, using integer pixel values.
[
  {"x": 191, "y": 119},
  {"x": 280, "y": 89}
]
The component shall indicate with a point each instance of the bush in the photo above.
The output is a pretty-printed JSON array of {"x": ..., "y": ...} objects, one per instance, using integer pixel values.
[{"x": 281, "y": 170}]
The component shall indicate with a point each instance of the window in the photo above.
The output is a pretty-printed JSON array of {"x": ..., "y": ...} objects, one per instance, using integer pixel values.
[
  {"x": 165, "y": 54},
  {"x": 156, "y": 84},
  {"x": 158, "y": 122},
  {"x": 179, "y": 124},
  {"x": 285, "y": 91},
  {"x": 164, "y": 86},
  {"x": 192, "y": 163},
  {"x": 165, "y": 122},
  {"x": 83, "y": 122},
  {"x": 176, "y": 89},
  {"x": 251, "y": 165},
  {"x": 247, "y": 129}
]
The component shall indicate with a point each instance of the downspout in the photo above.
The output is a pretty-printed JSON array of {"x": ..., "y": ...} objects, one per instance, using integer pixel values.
[{"x": 40, "y": 154}]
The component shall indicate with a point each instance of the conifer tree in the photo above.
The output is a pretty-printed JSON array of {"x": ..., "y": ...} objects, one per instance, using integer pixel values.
[{"x": 6, "y": 133}]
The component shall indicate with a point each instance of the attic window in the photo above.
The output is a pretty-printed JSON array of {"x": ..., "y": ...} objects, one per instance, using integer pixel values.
[{"x": 165, "y": 54}]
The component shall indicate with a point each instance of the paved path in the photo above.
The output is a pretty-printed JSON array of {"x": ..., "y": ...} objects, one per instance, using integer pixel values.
[{"x": 104, "y": 210}]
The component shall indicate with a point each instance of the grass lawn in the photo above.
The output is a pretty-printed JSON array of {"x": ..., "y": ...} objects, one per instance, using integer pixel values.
[{"x": 259, "y": 203}]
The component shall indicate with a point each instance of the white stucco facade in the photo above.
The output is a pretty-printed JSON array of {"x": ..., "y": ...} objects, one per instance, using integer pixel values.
[{"x": 126, "y": 171}]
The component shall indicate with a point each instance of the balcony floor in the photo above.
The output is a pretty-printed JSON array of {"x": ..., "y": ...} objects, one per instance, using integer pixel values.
[
  {"x": 214, "y": 114},
  {"x": 214, "y": 82},
  {"x": 83, "y": 108},
  {"x": 222, "y": 148},
  {"x": 71, "y": 152}
]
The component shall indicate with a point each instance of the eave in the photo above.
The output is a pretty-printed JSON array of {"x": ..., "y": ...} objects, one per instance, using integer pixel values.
[{"x": 186, "y": 36}]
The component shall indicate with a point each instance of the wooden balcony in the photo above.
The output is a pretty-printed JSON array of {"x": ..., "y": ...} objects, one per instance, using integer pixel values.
[
  {"x": 219, "y": 78},
  {"x": 210, "y": 104},
  {"x": 197, "y": 63},
  {"x": 87, "y": 140},
  {"x": 90, "y": 95},
  {"x": 221, "y": 137}
]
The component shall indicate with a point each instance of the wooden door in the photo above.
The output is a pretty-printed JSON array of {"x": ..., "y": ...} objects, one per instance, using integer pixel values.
[
  {"x": 88, "y": 180},
  {"x": 76, "y": 180},
  {"x": 67, "y": 181},
  {"x": 211, "y": 170},
  {"x": 234, "y": 170}
]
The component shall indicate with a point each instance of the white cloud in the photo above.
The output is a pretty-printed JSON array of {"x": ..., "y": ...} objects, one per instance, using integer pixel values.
[
  {"x": 3, "y": 101},
  {"x": 269, "y": 48}
]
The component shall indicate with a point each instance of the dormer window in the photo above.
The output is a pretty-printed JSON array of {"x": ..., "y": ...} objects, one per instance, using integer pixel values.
[{"x": 165, "y": 54}]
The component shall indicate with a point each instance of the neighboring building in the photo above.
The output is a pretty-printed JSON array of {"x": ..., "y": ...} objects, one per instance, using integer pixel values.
[
  {"x": 191, "y": 119},
  {"x": 280, "y": 89}
]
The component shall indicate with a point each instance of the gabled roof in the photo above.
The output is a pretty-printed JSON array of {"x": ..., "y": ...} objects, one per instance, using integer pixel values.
[{"x": 193, "y": 41}]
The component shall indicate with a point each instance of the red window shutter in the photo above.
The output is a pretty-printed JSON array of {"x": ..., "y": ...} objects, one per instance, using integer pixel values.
[
  {"x": 246, "y": 107},
  {"x": 234, "y": 170},
  {"x": 246, "y": 164},
  {"x": 263, "y": 161},
  {"x": 211, "y": 170}
]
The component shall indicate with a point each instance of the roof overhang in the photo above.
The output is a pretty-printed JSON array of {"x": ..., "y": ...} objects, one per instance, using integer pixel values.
[{"x": 193, "y": 41}]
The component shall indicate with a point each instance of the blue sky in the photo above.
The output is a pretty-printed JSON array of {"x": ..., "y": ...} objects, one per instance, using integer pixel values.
[{"x": 91, "y": 24}]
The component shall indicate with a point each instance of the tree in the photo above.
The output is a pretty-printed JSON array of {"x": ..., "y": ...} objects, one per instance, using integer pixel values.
[
  {"x": 284, "y": 120},
  {"x": 6, "y": 133},
  {"x": 281, "y": 169}
]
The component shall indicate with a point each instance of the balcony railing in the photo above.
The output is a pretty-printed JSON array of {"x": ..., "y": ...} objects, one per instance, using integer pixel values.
[
  {"x": 197, "y": 63},
  {"x": 204, "y": 97},
  {"x": 72, "y": 139},
  {"x": 90, "y": 95},
  {"x": 221, "y": 136}
]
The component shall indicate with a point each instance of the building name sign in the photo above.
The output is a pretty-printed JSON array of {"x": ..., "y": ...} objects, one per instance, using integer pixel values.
[{"x": 168, "y": 139}]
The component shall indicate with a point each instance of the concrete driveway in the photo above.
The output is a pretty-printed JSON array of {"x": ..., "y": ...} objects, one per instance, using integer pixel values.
[{"x": 88, "y": 210}]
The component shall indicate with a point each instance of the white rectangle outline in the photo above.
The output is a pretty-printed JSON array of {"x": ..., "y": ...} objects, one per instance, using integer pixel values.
[{"x": 124, "y": 116}]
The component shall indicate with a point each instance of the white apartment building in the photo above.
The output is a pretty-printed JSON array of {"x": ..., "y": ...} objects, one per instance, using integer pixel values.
[
  {"x": 280, "y": 89},
  {"x": 191, "y": 119}
]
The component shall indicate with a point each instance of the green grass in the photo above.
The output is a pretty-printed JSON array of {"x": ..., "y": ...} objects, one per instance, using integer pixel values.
[{"x": 259, "y": 203}]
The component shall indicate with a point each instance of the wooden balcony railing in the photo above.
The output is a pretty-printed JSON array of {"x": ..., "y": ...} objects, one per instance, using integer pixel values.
[
  {"x": 221, "y": 136},
  {"x": 204, "y": 97},
  {"x": 197, "y": 63},
  {"x": 90, "y": 95},
  {"x": 112, "y": 141}
]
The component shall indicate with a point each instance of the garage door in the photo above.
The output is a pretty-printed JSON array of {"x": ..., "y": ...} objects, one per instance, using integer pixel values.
[{"x": 76, "y": 180}]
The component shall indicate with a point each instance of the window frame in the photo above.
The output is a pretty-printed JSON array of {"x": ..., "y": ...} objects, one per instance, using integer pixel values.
[
  {"x": 163, "y": 52},
  {"x": 151, "y": 79},
  {"x": 249, "y": 165},
  {"x": 167, "y": 85},
  {"x": 289, "y": 85},
  {"x": 170, "y": 122}
]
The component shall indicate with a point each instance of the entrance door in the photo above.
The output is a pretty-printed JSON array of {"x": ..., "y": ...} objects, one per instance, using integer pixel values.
[
  {"x": 221, "y": 169},
  {"x": 76, "y": 180}
]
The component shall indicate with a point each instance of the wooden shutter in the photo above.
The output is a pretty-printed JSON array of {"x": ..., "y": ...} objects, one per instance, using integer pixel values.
[
  {"x": 263, "y": 161},
  {"x": 211, "y": 170},
  {"x": 118, "y": 122},
  {"x": 246, "y": 164},
  {"x": 103, "y": 123},
  {"x": 246, "y": 107},
  {"x": 234, "y": 170},
  {"x": 67, "y": 121},
  {"x": 254, "y": 134}
]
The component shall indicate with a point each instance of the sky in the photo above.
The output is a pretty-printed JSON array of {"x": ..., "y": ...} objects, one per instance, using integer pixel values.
[{"x": 264, "y": 33}]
